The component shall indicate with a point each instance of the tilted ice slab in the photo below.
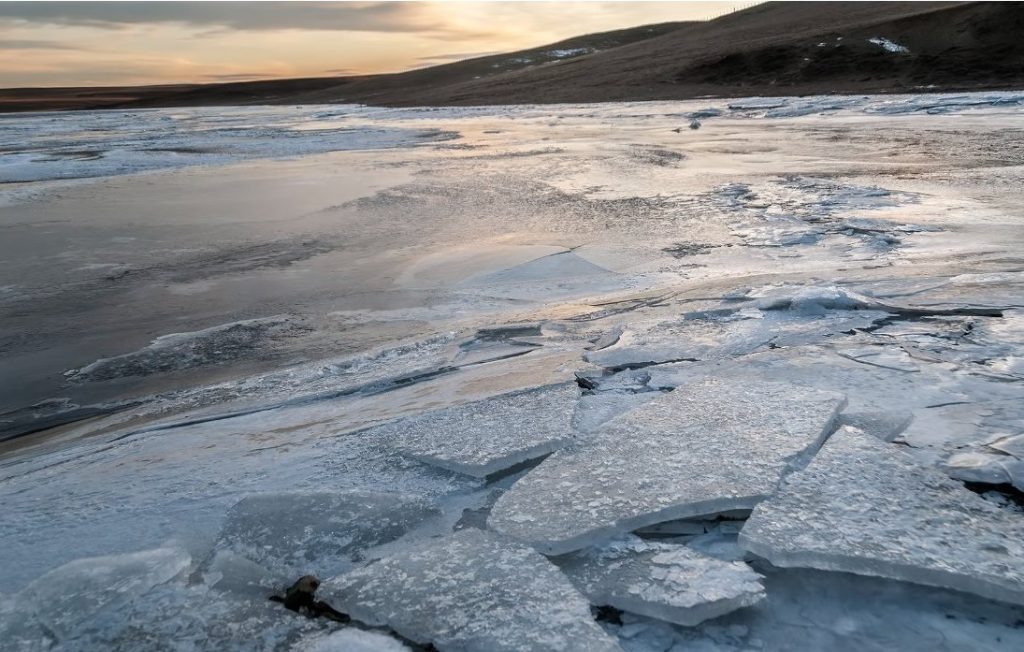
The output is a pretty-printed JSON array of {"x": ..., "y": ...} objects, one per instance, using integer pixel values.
[
  {"x": 471, "y": 591},
  {"x": 1009, "y": 444},
  {"x": 178, "y": 351},
  {"x": 865, "y": 507},
  {"x": 77, "y": 590},
  {"x": 488, "y": 436},
  {"x": 986, "y": 468},
  {"x": 707, "y": 447},
  {"x": 321, "y": 532},
  {"x": 664, "y": 581}
]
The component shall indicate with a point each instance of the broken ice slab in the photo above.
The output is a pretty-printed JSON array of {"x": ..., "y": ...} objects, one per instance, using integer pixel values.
[
  {"x": 497, "y": 343},
  {"x": 1009, "y": 444},
  {"x": 986, "y": 468},
  {"x": 179, "y": 351},
  {"x": 606, "y": 339},
  {"x": 732, "y": 332},
  {"x": 707, "y": 447},
  {"x": 883, "y": 424},
  {"x": 815, "y": 299},
  {"x": 660, "y": 580},
  {"x": 77, "y": 590},
  {"x": 488, "y": 436},
  {"x": 594, "y": 410},
  {"x": 471, "y": 591},
  {"x": 865, "y": 507},
  {"x": 321, "y": 532},
  {"x": 977, "y": 467}
]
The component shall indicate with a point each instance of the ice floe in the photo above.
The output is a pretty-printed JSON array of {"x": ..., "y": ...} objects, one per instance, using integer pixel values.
[
  {"x": 487, "y": 436},
  {"x": 471, "y": 591},
  {"x": 321, "y": 532},
  {"x": 179, "y": 351},
  {"x": 192, "y": 617},
  {"x": 862, "y": 506},
  {"x": 76, "y": 591},
  {"x": 708, "y": 447},
  {"x": 665, "y": 581}
]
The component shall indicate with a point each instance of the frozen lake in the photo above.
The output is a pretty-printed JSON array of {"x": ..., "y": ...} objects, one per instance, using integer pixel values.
[{"x": 199, "y": 306}]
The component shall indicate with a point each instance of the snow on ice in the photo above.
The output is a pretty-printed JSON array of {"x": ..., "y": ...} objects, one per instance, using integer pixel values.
[{"x": 889, "y": 46}]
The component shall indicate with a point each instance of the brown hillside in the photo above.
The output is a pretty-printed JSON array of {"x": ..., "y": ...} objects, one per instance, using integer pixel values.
[{"x": 777, "y": 48}]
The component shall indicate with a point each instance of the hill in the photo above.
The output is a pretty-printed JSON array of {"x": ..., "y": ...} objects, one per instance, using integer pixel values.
[{"x": 777, "y": 48}]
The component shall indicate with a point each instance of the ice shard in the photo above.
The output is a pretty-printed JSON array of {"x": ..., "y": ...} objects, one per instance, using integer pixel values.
[
  {"x": 491, "y": 435},
  {"x": 865, "y": 507},
  {"x": 665, "y": 581},
  {"x": 321, "y": 532},
  {"x": 708, "y": 447},
  {"x": 473, "y": 592}
]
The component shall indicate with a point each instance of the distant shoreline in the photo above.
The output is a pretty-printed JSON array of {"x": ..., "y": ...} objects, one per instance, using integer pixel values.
[{"x": 71, "y": 104}]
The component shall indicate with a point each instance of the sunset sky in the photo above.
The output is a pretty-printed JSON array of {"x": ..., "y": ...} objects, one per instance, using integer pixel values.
[{"x": 109, "y": 43}]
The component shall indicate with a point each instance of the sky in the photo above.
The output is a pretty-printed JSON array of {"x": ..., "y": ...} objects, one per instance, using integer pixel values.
[{"x": 114, "y": 43}]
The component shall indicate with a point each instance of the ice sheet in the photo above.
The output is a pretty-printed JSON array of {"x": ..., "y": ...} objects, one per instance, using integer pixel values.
[{"x": 101, "y": 143}]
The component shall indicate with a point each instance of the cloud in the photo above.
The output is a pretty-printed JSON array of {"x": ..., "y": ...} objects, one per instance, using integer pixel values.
[
  {"x": 330, "y": 16},
  {"x": 36, "y": 44}
]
